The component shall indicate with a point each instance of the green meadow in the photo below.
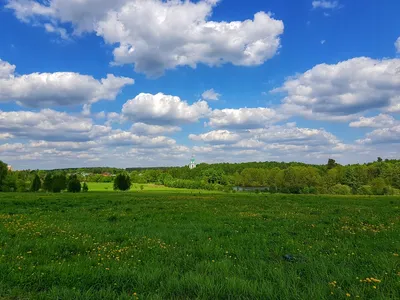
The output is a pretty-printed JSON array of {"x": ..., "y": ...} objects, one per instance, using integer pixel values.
[{"x": 161, "y": 244}]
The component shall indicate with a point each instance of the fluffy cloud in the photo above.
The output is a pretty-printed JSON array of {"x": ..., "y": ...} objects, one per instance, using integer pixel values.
[
  {"x": 216, "y": 137},
  {"x": 286, "y": 142},
  {"x": 389, "y": 135},
  {"x": 381, "y": 120},
  {"x": 49, "y": 125},
  {"x": 287, "y": 134},
  {"x": 210, "y": 95},
  {"x": 177, "y": 33},
  {"x": 343, "y": 90},
  {"x": 325, "y": 4},
  {"x": 244, "y": 118},
  {"x": 397, "y": 45},
  {"x": 163, "y": 109},
  {"x": 56, "y": 89},
  {"x": 144, "y": 129},
  {"x": 6, "y": 70}
]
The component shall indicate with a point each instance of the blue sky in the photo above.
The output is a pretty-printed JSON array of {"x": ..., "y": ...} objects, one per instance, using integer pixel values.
[{"x": 269, "y": 80}]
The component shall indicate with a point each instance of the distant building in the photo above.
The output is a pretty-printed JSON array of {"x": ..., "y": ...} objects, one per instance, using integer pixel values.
[
  {"x": 9, "y": 168},
  {"x": 192, "y": 164}
]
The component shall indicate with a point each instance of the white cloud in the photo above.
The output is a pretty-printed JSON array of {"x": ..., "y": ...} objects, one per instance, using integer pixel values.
[
  {"x": 49, "y": 125},
  {"x": 6, "y": 70},
  {"x": 244, "y": 118},
  {"x": 287, "y": 134},
  {"x": 163, "y": 109},
  {"x": 344, "y": 90},
  {"x": 210, "y": 95},
  {"x": 56, "y": 89},
  {"x": 144, "y": 129},
  {"x": 397, "y": 45},
  {"x": 389, "y": 135},
  {"x": 216, "y": 137},
  {"x": 177, "y": 33},
  {"x": 62, "y": 32},
  {"x": 379, "y": 121},
  {"x": 4, "y": 136},
  {"x": 325, "y": 4}
]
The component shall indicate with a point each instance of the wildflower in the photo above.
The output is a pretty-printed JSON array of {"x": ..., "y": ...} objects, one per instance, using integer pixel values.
[
  {"x": 395, "y": 254},
  {"x": 374, "y": 287},
  {"x": 348, "y": 295}
]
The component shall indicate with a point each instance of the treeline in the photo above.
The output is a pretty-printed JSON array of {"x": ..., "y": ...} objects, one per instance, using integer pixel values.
[
  {"x": 34, "y": 181},
  {"x": 381, "y": 177}
]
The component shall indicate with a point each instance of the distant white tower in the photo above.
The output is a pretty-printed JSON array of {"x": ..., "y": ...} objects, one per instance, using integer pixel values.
[{"x": 192, "y": 164}]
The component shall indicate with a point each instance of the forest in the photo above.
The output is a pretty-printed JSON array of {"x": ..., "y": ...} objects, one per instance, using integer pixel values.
[{"x": 381, "y": 177}]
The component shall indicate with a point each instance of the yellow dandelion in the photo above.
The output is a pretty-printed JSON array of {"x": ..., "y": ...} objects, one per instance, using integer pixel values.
[{"x": 348, "y": 295}]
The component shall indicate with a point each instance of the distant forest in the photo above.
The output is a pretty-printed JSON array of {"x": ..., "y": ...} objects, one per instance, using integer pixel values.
[{"x": 381, "y": 177}]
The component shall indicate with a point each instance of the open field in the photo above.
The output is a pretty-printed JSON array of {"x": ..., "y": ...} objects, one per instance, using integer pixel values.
[
  {"x": 153, "y": 245},
  {"x": 136, "y": 187}
]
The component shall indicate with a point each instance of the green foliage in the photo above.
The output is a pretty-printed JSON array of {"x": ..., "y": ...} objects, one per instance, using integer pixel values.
[
  {"x": 59, "y": 183},
  {"x": 36, "y": 183},
  {"x": 3, "y": 173},
  {"x": 122, "y": 182},
  {"x": 340, "y": 189},
  {"x": 331, "y": 164},
  {"x": 85, "y": 187},
  {"x": 365, "y": 190},
  {"x": 74, "y": 185},
  {"x": 48, "y": 182},
  {"x": 379, "y": 186},
  {"x": 9, "y": 183},
  {"x": 22, "y": 186}
]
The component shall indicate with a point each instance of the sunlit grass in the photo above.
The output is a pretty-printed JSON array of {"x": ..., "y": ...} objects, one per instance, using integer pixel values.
[{"x": 164, "y": 245}]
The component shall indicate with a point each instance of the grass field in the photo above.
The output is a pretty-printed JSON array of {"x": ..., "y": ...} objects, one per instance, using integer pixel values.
[
  {"x": 136, "y": 187},
  {"x": 153, "y": 245}
]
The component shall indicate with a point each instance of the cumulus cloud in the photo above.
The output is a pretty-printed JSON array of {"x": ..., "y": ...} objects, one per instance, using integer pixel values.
[
  {"x": 389, "y": 135},
  {"x": 163, "y": 109},
  {"x": 168, "y": 40},
  {"x": 6, "y": 70},
  {"x": 210, "y": 95},
  {"x": 397, "y": 45},
  {"x": 216, "y": 137},
  {"x": 49, "y": 125},
  {"x": 344, "y": 90},
  {"x": 56, "y": 89},
  {"x": 379, "y": 121},
  {"x": 244, "y": 118},
  {"x": 325, "y": 4},
  {"x": 287, "y": 134},
  {"x": 144, "y": 129}
]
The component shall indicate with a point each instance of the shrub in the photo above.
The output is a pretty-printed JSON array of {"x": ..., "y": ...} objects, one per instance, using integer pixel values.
[
  {"x": 378, "y": 186},
  {"x": 122, "y": 182},
  {"x": 340, "y": 189},
  {"x": 85, "y": 187},
  {"x": 365, "y": 190}
]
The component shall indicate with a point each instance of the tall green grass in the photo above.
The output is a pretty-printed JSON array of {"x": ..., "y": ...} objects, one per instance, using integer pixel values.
[{"x": 167, "y": 245}]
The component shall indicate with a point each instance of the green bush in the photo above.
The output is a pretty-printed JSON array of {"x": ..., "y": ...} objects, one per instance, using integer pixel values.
[
  {"x": 365, "y": 190},
  {"x": 341, "y": 189},
  {"x": 85, "y": 187},
  {"x": 122, "y": 182}
]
